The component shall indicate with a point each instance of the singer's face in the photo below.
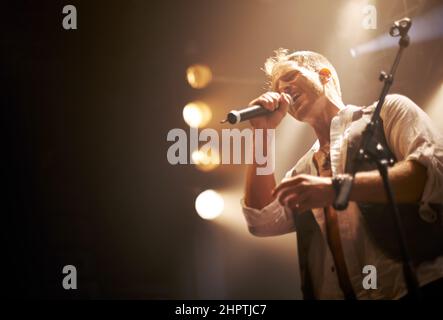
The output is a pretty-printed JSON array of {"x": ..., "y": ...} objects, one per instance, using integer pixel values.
[{"x": 303, "y": 90}]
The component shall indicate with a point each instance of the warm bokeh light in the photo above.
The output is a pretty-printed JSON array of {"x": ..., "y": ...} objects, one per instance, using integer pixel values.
[
  {"x": 197, "y": 114},
  {"x": 205, "y": 161},
  {"x": 198, "y": 76},
  {"x": 209, "y": 204}
]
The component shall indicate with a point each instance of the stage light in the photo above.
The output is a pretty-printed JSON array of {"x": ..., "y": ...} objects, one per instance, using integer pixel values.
[
  {"x": 352, "y": 23},
  {"x": 204, "y": 161},
  {"x": 197, "y": 114},
  {"x": 209, "y": 204},
  {"x": 198, "y": 76},
  {"x": 353, "y": 52},
  {"x": 423, "y": 28}
]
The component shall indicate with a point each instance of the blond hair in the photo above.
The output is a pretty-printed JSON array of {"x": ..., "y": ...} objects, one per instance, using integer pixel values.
[{"x": 307, "y": 62}]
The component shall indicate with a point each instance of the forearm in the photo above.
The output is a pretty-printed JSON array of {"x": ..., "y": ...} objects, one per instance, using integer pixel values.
[
  {"x": 258, "y": 189},
  {"x": 407, "y": 179}
]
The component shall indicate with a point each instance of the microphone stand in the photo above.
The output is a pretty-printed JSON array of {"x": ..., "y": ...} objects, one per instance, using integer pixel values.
[{"x": 372, "y": 150}]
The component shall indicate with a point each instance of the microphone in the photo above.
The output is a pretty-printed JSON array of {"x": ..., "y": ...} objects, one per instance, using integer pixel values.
[
  {"x": 254, "y": 111},
  {"x": 236, "y": 116}
]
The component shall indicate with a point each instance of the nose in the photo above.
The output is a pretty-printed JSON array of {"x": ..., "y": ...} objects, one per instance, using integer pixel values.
[{"x": 287, "y": 89}]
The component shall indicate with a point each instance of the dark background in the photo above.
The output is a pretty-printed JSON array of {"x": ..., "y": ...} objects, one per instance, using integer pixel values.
[{"x": 86, "y": 113}]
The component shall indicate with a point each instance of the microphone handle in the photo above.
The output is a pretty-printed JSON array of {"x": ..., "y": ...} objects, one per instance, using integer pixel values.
[{"x": 236, "y": 116}]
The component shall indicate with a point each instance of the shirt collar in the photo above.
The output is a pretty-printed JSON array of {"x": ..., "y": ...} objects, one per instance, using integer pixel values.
[{"x": 348, "y": 114}]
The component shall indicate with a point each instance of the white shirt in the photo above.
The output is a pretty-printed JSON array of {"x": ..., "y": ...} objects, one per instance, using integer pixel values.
[{"x": 410, "y": 135}]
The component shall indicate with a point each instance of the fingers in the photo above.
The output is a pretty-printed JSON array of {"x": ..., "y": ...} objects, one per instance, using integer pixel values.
[
  {"x": 290, "y": 192},
  {"x": 285, "y": 101},
  {"x": 289, "y": 182},
  {"x": 292, "y": 201},
  {"x": 297, "y": 203},
  {"x": 269, "y": 100}
]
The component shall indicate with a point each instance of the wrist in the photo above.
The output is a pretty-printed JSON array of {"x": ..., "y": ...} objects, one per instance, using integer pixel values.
[{"x": 341, "y": 184}]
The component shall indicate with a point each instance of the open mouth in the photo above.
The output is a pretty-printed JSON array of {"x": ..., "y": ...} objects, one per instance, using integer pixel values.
[{"x": 295, "y": 97}]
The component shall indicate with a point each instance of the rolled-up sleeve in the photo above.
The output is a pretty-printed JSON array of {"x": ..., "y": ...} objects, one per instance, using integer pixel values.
[
  {"x": 275, "y": 219},
  {"x": 412, "y": 136},
  {"x": 272, "y": 220}
]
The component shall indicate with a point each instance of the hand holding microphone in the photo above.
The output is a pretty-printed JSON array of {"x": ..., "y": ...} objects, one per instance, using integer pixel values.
[{"x": 265, "y": 112}]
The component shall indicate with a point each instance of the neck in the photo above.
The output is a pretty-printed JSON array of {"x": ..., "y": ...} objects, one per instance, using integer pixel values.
[
  {"x": 321, "y": 122},
  {"x": 322, "y": 132}
]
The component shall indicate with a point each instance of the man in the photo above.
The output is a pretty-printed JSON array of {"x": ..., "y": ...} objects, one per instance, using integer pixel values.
[{"x": 334, "y": 246}]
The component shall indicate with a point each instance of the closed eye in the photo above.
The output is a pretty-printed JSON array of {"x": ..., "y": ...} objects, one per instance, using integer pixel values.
[{"x": 290, "y": 76}]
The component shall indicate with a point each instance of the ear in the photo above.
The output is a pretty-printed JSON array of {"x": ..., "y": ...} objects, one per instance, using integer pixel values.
[{"x": 324, "y": 75}]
